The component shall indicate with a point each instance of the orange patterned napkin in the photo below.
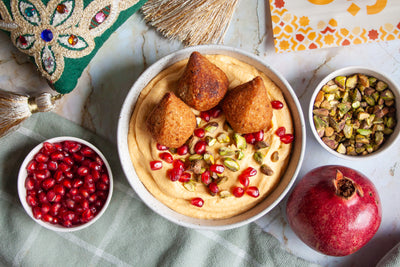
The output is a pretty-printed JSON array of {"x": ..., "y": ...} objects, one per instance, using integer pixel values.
[{"x": 309, "y": 24}]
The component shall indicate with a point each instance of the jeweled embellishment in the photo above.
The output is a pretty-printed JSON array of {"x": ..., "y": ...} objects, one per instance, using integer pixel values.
[
  {"x": 46, "y": 35},
  {"x": 22, "y": 41},
  {"x": 73, "y": 40},
  {"x": 30, "y": 12},
  {"x": 100, "y": 17},
  {"x": 61, "y": 8}
]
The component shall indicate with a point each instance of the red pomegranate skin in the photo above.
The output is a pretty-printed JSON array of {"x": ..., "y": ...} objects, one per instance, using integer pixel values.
[{"x": 331, "y": 224}]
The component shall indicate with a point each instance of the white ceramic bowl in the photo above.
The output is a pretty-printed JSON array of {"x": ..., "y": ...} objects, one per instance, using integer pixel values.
[
  {"x": 369, "y": 72},
  {"x": 22, "y": 175},
  {"x": 270, "y": 201}
]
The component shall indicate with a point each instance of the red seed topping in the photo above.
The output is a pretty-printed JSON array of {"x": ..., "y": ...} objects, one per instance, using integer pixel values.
[
  {"x": 215, "y": 112},
  {"x": 213, "y": 187},
  {"x": 199, "y": 132},
  {"x": 244, "y": 180},
  {"x": 174, "y": 174},
  {"x": 287, "y": 138},
  {"x": 185, "y": 177},
  {"x": 280, "y": 131},
  {"x": 197, "y": 201},
  {"x": 217, "y": 168},
  {"x": 249, "y": 171},
  {"x": 166, "y": 156},
  {"x": 155, "y": 165},
  {"x": 276, "y": 104},
  {"x": 205, "y": 115},
  {"x": 200, "y": 147},
  {"x": 206, "y": 178},
  {"x": 178, "y": 164},
  {"x": 259, "y": 136},
  {"x": 161, "y": 147},
  {"x": 238, "y": 191},
  {"x": 250, "y": 139},
  {"x": 183, "y": 150},
  {"x": 252, "y": 191}
]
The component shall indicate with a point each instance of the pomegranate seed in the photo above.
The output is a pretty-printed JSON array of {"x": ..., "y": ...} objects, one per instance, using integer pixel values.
[
  {"x": 155, "y": 165},
  {"x": 98, "y": 203},
  {"x": 41, "y": 175},
  {"x": 69, "y": 161},
  {"x": 166, "y": 156},
  {"x": 238, "y": 191},
  {"x": 68, "y": 174},
  {"x": 58, "y": 146},
  {"x": 41, "y": 157},
  {"x": 92, "y": 198},
  {"x": 64, "y": 167},
  {"x": 182, "y": 150},
  {"x": 32, "y": 193},
  {"x": 78, "y": 157},
  {"x": 78, "y": 197},
  {"x": 217, "y": 168},
  {"x": 197, "y": 201},
  {"x": 206, "y": 178},
  {"x": 287, "y": 138},
  {"x": 67, "y": 183},
  {"x": 199, "y": 132},
  {"x": 47, "y": 218},
  {"x": 87, "y": 215},
  {"x": 280, "y": 131},
  {"x": 96, "y": 175},
  {"x": 59, "y": 189},
  {"x": 42, "y": 197},
  {"x": 88, "y": 179},
  {"x": 58, "y": 176},
  {"x": 77, "y": 183},
  {"x": 87, "y": 151},
  {"x": 54, "y": 209},
  {"x": 86, "y": 162},
  {"x": 73, "y": 191},
  {"x": 276, "y": 104},
  {"x": 102, "y": 186},
  {"x": 56, "y": 156},
  {"x": 48, "y": 183},
  {"x": 82, "y": 171},
  {"x": 105, "y": 179},
  {"x": 45, "y": 208},
  {"x": 57, "y": 198},
  {"x": 52, "y": 165},
  {"x": 253, "y": 191},
  {"x": 75, "y": 148},
  {"x": 99, "y": 160},
  {"x": 102, "y": 194},
  {"x": 205, "y": 116},
  {"x": 215, "y": 112},
  {"x": 200, "y": 147},
  {"x": 37, "y": 213},
  {"x": 49, "y": 147},
  {"x": 174, "y": 174},
  {"x": 68, "y": 216},
  {"x": 213, "y": 187},
  {"x": 259, "y": 136},
  {"x": 244, "y": 180},
  {"x": 249, "y": 171},
  {"x": 94, "y": 166},
  {"x": 178, "y": 164},
  {"x": 51, "y": 196},
  {"x": 41, "y": 166},
  {"x": 161, "y": 147},
  {"x": 29, "y": 183},
  {"x": 31, "y": 166},
  {"x": 91, "y": 188},
  {"x": 31, "y": 200},
  {"x": 67, "y": 224},
  {"x": 185, "y": 177},
  {"x": 85, "y": 203},
  {"x": 250, "y": 139}
]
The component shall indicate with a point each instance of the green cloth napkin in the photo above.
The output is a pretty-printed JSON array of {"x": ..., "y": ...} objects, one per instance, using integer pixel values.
[{"x": 128, "y": 233}]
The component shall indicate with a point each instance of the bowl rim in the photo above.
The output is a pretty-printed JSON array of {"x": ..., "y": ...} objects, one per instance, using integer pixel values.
[
  {"x": 349, "y": 70},
  {"x": 123, "y": 128},
  {"x": 22, "y": 175}
]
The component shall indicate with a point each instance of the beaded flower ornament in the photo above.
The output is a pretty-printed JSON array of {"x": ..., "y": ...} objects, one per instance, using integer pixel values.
[{"x": 62, "y": 36}]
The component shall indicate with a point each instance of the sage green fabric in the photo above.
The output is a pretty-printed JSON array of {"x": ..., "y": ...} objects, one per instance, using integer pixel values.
[
  {"x": 128, "y": 233},
  {"x": 75, "y": 66}
]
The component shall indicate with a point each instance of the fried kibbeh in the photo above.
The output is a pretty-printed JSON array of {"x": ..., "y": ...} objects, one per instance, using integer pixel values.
[
  {"x": 171, "y": 122},
  {"x": 247, "y": 107},
  {"x": 202, "y": 84}
]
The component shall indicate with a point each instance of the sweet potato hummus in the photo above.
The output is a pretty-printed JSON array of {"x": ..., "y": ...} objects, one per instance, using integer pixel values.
[{"x": 178, "y": 195}]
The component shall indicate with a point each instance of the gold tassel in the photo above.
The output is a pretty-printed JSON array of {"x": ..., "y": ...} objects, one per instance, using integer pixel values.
[
  {"x": 192, "y": 22},
  {"x": 15, "y": 108}
]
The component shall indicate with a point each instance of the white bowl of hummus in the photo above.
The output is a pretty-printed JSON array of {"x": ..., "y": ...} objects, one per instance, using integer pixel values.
[{"x": 176, "y": 200}]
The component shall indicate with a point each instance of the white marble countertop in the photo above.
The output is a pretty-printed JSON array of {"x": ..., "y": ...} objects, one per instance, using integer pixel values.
[{"x": 97, "y": 100}]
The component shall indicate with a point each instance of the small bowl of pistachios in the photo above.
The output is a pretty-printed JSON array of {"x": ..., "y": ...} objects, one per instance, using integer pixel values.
[{"x": 354, "y": 113}]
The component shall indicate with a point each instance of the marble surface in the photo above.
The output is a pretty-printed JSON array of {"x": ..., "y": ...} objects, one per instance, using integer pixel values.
[{"x": 101, "y": 90}]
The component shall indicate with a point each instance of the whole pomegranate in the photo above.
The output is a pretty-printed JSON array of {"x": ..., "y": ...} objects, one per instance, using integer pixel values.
[{"x": 334, "y": 210}]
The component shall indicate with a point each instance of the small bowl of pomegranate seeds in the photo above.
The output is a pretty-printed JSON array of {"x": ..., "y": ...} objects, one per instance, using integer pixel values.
[{"x": 65, "y": 184}]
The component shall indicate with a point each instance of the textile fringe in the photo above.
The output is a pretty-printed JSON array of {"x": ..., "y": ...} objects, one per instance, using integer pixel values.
[
  {"x": 15, "y": 108},
  {"x": 192, "y": 22}
]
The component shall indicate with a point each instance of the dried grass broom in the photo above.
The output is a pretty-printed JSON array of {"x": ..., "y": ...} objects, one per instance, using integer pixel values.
[{"x": 192, "y": 22}]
